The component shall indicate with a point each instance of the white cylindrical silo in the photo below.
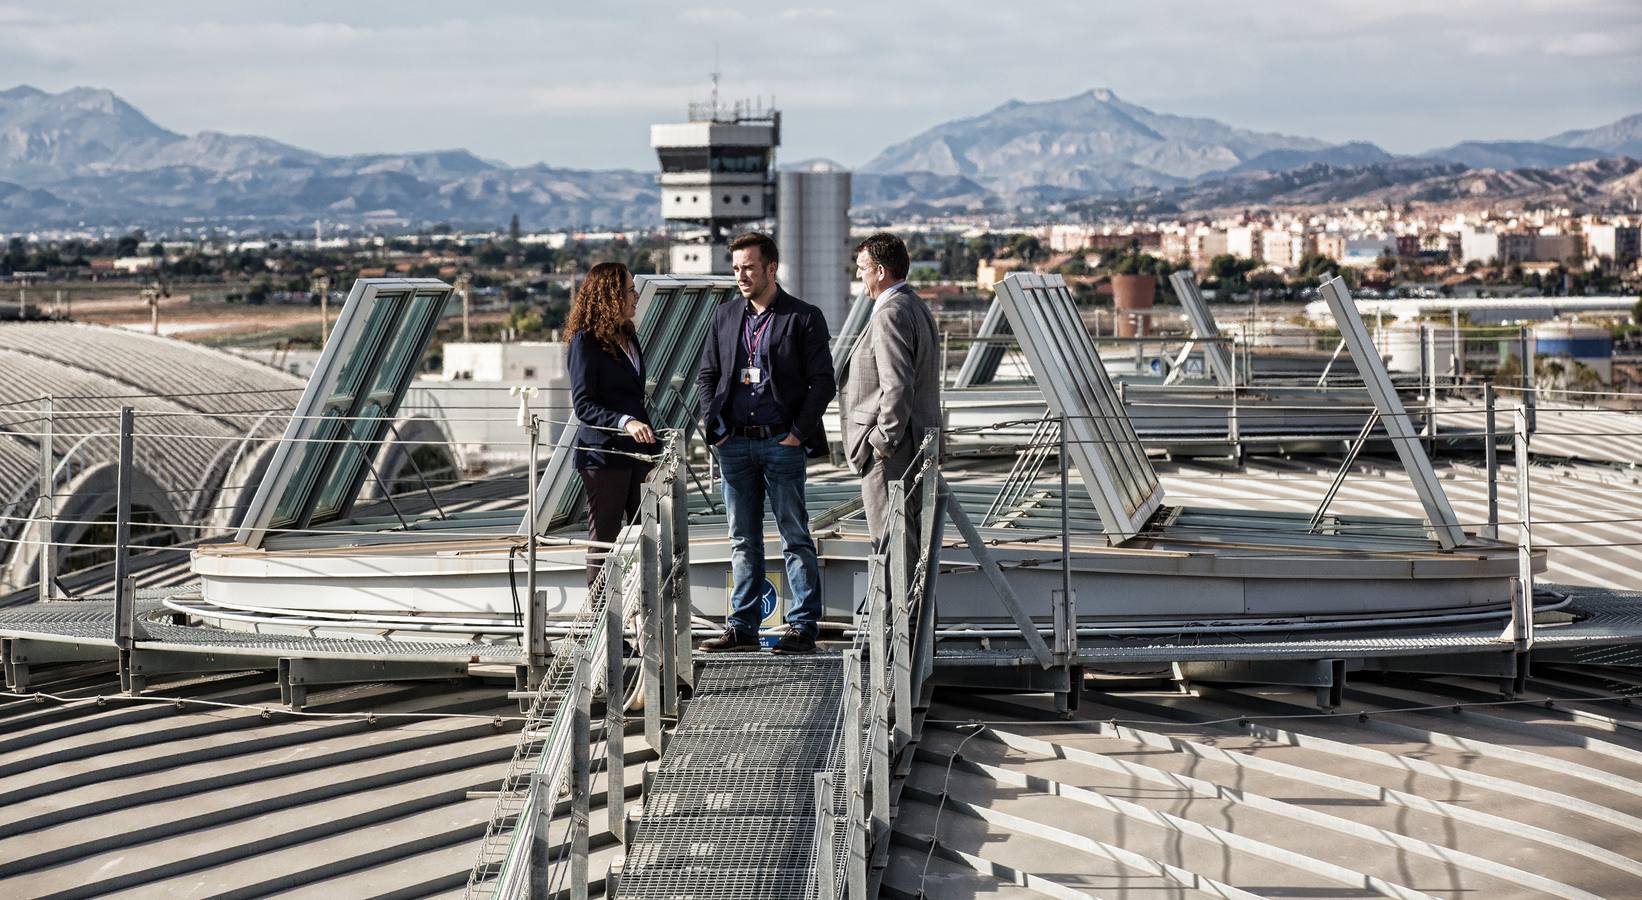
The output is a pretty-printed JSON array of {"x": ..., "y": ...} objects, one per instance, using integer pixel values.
[{"x": 812, "y": 228}]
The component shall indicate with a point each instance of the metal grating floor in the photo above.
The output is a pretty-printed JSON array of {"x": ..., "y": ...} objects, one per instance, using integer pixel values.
[
  {"x": 731, "y": 810},
  {"x": 1605, "y": 619},
  {"x": 92, "y": 621}
]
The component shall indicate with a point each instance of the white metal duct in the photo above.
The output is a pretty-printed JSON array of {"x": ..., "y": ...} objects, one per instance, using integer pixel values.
[
  {"x": 1100, "y": 439},
  {"x": 1392, "y": 414},
  {"x": 1204, "y": 328}
]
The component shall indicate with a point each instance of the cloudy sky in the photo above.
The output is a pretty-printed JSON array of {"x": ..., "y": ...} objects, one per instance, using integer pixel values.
[{"x": 578, "y": 85}]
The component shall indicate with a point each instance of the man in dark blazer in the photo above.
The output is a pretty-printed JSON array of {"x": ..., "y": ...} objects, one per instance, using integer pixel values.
[{"x": 765, "y": 378}]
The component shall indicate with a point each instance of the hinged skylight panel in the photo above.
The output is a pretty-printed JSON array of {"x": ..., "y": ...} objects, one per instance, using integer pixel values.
[
  {"x": 1100, "y": 438},
  {"x": 981, "y": 364},
  {"x": 1392, "y": 414},
  {"x": 1204, "y": 327},
  {"x": 354, "y": 393}
]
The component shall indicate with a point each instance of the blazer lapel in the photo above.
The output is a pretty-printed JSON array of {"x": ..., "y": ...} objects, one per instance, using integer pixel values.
[
  {"x": 727, "y": 337},
  {"x": 782, "y": 308}
]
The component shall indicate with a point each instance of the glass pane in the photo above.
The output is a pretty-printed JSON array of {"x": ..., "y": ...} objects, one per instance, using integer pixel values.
[
  {"x": 342, "y": 480},
  {"x": 358, "y": 365},
  {"x": 407, "y": 342},
  {"x": 312, "y": 456}
]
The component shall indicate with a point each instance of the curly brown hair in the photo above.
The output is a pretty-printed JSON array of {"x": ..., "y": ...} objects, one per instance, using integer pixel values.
[{"x": 600, "y": 308}]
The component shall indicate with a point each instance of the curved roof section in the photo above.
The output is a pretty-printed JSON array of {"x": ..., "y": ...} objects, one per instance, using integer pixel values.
[
  {"x": 198, "y": 378},
  {"x": 192, "y": 404}
]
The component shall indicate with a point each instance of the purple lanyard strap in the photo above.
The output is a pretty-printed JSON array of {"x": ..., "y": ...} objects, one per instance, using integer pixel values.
[{"x": 752, "y": 337}]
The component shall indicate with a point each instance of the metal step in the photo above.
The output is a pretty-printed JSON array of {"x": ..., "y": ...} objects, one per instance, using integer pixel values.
[{"x": 731, "y": 809}]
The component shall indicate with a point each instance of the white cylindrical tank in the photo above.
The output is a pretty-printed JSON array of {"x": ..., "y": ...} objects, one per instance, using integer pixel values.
[
  {"x": 813, "y": 232},
  {"x": 1399, "y": 343},
  {"x": 1582, "y": 342}
]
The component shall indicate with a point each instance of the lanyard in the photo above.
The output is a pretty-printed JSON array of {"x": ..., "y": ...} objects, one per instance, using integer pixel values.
[{"x": 752, "y": 337}]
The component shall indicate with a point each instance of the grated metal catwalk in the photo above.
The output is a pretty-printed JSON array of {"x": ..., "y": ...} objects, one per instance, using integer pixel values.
[{"x": 731, "y": 812}]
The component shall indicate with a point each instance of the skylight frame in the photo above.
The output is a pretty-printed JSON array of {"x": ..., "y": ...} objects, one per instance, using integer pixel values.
[
  {"x": 1204, "y": 327},
  {"x": 1393, "y": 416},
  {"x": 1100, "y": 438},
  {"x": 328, "y": 442}
]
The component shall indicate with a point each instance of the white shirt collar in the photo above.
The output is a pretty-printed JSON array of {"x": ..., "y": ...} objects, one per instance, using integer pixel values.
[{"x": 889, "y": 290}]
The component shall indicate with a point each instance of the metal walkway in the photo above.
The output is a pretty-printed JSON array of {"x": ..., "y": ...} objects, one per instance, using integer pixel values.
[{"x": 731, "y": 812}]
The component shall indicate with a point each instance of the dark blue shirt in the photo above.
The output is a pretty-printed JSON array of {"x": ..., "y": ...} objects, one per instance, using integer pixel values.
[{"x": 754, "y": 404}]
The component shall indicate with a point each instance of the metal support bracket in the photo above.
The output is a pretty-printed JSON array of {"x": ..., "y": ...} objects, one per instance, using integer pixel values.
[
  {"x": 1328, "y": 676},
  {"x": 994, "y": 575},
  {"x": 21, "y": 653},
  {"x": 1345, "y": 469},
  {"x": 297, "y": 674}
]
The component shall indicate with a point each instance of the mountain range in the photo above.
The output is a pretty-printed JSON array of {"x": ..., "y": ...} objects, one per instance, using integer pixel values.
[{"x": 85, "y": 156}]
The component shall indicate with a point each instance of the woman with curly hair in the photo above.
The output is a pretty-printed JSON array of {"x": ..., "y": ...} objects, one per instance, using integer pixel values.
[{"x": 607, "y": 390}]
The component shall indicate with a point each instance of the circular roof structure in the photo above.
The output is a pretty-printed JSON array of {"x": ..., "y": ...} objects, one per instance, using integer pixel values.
[{"x": 197, "y": 412}]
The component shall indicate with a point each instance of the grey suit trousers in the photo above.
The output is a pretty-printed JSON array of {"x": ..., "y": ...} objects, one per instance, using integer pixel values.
[{"x": 875, "y": 483}]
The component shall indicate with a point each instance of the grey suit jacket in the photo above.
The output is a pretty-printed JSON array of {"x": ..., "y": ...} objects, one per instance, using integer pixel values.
[{"x": 891, "y": 390}]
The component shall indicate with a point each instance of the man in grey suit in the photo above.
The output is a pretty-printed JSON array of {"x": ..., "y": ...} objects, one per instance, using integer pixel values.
[{"x": 891, "y": 389}]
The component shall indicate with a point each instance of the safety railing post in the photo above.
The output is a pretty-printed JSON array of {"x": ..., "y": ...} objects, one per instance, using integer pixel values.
[
  {"x": 615, "y": 718},
  {"x": 47, "y": 508},
  {"x": 1065, "y": 613},
  {"x": 683, "y": 665},
  {"x": 826, "y": 838},
  {"x": 899, "y": 610},
  {"x": 1428, "y": 383},
  {"x": 879, "y": 759},
  {"x": 1522, "y": 611},
  {"x": 126, "y": 630},
  {"x": 855, "y": 777},
  {"x": 541, "y": 852},
  {"x": 1526, "y": 376},
  {"x": 581, "y": 752},
  {"x": 932, "y": 513},
  {"x": 535, "y": 624},
  {"x": 1490, "y": 451},
  {"x": 650, "y": 617},
  {"x": 666, "y": 545}
]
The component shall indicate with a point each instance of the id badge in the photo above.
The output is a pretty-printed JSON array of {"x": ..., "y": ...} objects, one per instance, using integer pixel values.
[{"x": 752, "y": 375}]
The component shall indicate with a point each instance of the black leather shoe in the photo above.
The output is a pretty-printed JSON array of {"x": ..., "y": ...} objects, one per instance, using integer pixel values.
[
  {"x": 730, "y": 640},
  {"x": 794, "y": 641}
]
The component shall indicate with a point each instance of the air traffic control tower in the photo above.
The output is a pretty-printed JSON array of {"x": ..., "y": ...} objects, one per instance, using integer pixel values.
[{"x": 717, "y": 173}]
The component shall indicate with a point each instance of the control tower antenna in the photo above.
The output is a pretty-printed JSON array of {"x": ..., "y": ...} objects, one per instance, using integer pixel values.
[{"x": 714, "y": 76}]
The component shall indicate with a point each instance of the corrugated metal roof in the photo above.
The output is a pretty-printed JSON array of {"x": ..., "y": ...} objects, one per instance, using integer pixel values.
[
  {"x": 1146, "y": 790},
  {"x": 146, "y": 799}
]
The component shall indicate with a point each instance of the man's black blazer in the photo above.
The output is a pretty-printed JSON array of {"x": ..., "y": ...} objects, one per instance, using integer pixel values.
[
  {"x": 604, "y": 386},
  {"x": 800, "y": 365}
]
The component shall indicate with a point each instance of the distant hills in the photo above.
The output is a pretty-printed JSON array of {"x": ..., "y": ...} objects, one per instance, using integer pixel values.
[
  {"x": 1088, "y": 143},
  {"x": 85, "y": 156},
  {"x": 1591, "y": 184}
]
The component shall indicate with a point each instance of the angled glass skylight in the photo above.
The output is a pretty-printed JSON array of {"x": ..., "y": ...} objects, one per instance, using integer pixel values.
[
  {"x": 855, "y": 324},
  {"x": 981, "y": 363},
  {"x": 368, "y": 362},
  {"x": 674, "y": 314},
  {"x": 1100, "y": 439},
  {"x": 1393, "y": 416},
  {"x": 1204, "y": 327}
]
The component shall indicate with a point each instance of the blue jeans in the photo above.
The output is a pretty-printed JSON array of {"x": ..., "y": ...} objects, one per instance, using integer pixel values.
[{"x": 753, "y": 470}]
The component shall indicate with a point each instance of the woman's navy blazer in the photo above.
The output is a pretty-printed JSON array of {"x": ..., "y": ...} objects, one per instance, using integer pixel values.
[{"x": 604, "y": 386}]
